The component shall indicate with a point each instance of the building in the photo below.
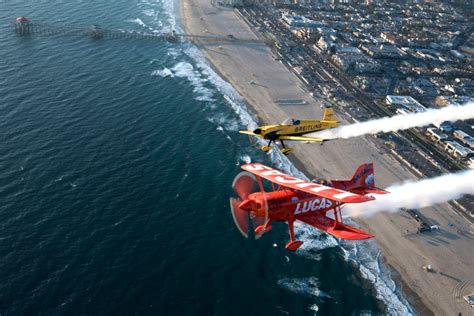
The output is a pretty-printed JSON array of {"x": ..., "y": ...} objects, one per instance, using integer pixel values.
[
  {"x": 445, "y": 126},
  {"x": 436, "y": 134},
  {"x": 323, "y": 44},
  {"x": 459, "y": 100},
  {"x": 424, "y": 87},
  {"x": 388, "y": 37},
  {"x": 471, "y": 162},
  {"x": 295, "y": 21},
  {"x": 309, "y": 34},
  {"x": 465, "y": 138},
  {"x": 352, "y": 59},
  {"x": 457, "y": 150},
  {"x": 382, "y": 51},
  {"x": 405, "y": 104}
]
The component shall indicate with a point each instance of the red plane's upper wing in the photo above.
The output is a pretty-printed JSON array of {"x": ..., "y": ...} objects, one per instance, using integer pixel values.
[{"x": 283, "y": 179}]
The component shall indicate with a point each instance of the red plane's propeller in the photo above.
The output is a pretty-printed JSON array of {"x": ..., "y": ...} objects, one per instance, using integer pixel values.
[{"x": 242, "y": 207}]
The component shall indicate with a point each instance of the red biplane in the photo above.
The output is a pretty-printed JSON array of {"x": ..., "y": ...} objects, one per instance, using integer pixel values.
[{"x": 315, "y": 203}]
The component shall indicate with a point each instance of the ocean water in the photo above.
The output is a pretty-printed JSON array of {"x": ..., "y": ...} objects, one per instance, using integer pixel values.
[{"x": 116, "y": 164}]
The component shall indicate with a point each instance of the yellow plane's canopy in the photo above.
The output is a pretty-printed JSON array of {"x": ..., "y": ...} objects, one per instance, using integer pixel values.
[
  {"x": 291, "y": 121},
  {"x": 302, "y": 138}
]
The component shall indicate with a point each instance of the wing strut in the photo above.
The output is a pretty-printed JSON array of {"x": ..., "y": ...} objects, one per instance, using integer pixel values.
[
  {"x": 260, "y": 184},
  {"x": 338, "y": 223}
]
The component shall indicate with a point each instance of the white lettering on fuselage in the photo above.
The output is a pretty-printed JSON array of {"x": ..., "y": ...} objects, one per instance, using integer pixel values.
[{"x": 312, "y": 205}]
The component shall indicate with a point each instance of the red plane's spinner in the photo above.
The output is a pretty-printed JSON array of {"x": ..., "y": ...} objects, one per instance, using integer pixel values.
[{"x": 294, "y": 199}]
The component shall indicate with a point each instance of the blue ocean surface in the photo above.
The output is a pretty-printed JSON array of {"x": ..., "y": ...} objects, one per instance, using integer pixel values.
[{"x": 116, "y": 163}]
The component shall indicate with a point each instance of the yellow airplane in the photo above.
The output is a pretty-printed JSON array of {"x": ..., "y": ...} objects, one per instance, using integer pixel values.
[{"x": 292, "y": 129}]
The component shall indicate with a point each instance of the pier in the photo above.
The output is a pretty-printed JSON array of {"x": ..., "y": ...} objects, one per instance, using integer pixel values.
[{"x": 24, "y": 26}]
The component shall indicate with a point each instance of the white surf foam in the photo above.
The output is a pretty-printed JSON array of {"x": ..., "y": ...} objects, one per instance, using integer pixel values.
[
  {"x": 314, "y": 239},
  {"x": 225, "y": 121},
  {"x": 138, "y": 21},
  {"x": 149, "y": 12},
  {"x": 186, "y": 70},
  {"x": 314, "y": 308},
  {"x": 165, "y": 72},
  {"x": 161, "y": 13},
  {"x": 173, "y": 53},
  {"x": 246, "y": 159}
]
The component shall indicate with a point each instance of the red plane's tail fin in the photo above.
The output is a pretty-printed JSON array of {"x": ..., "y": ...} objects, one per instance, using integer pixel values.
[{"x": 362, "y": 182}]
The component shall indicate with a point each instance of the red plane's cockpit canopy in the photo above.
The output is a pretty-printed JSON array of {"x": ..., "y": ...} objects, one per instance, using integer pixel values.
[
  {"x": 291, "y": 121},
  {"x": 322, "y": 181}
]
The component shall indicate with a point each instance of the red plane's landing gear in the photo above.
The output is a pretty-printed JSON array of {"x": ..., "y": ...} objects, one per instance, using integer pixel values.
[
  {"x": 285, "y": 151},
  {"x": 293, "y": 244},
  {"x": 262, "y": 229}
]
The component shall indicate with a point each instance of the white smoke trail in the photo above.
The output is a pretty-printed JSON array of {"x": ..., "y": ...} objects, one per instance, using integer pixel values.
[
  {"x": 399, "y": 122},
  {"x": 417, "y": 194}
]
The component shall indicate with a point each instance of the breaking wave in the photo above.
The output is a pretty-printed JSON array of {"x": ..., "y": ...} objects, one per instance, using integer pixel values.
[
  {"x": 138, "y": 21},
  {"x": 186, "y": 70},
  {"x": 165, "y": 72},
  {"x": 246, "y": 159}
]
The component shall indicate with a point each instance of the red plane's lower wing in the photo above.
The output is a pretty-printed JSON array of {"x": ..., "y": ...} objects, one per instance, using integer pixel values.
[{"x": 320, "y": 221}]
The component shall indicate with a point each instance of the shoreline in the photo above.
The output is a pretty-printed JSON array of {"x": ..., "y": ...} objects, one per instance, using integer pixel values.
[
  {"x": 415, "y": 301},
  {"x": 261, "y": 102}
]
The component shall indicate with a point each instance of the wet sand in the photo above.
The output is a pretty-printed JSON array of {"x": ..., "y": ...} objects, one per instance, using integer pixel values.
[{"x": 262, "y": 81}]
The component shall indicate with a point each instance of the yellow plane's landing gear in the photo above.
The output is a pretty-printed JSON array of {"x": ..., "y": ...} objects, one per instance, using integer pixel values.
[
  {"x": 268, "y": 147},
  {"x": 284, "y": 150}
]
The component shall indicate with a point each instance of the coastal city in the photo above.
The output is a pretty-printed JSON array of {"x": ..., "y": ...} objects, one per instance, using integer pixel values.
[{"x": 380, "y": 59}]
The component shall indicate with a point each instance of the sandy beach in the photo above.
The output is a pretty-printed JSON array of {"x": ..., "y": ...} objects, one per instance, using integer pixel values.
[{"x": 449, "y": 250}]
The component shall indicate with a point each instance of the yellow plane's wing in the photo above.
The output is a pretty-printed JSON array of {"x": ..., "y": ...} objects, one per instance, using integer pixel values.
[
  {"x": 249, "y": 133},
  {"x": 302, "y": 138}
]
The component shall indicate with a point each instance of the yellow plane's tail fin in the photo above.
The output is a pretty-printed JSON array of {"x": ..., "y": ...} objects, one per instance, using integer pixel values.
[{"x": 329, "y": 115}]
